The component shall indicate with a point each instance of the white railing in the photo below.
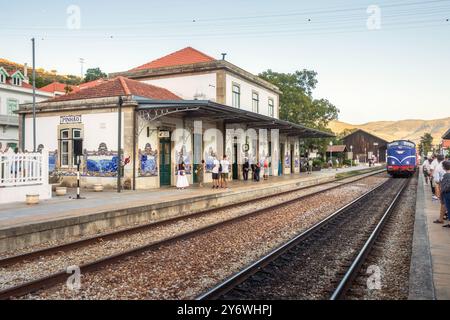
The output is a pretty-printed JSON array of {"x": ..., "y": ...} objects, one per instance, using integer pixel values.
[{"x": 23, "y": 169}]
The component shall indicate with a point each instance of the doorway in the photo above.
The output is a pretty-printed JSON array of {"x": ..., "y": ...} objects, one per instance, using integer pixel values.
[
  {"x": 282, "y": 159},
  {"x": 165, "y": 173},
  {"x": 235, "y": 162},
  {"x": 292, "y": 159}
]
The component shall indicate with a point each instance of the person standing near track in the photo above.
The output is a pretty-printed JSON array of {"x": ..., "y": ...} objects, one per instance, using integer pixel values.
[
  {"x": 438, "y": 175},
  {"x": 225, "y": 164},
  {"x": 245, "y": 169},
  {"x": 433, "y": 164},
  {"x": 445, "y": 188},
  {"x": 215, "y": 173}
]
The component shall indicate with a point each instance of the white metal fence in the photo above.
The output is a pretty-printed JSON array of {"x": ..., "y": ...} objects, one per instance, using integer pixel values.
[{"x": 23, "y": 169}]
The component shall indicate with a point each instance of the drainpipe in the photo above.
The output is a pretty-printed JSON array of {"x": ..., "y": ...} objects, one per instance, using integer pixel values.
[
  {"x": 134, "y": 148},
  {"x": 119, "y": 146}
]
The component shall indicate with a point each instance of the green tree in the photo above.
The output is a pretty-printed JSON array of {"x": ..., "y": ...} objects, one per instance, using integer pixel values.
[
  {"x": 298, "y": 106},
  {"x": 94, "y": 74},
  {"x": 426, "y": 143},
  {"x": 296, "y": 102}
]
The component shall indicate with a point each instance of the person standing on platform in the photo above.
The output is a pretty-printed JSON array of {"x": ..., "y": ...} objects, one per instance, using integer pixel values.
[
  {"x": 225, "y": 164},
  {"x": 182, "y": 181},
  {"x": 215, "y": 173},
  {"x": 201, "y": 169},
  {"x": 266, "y": 169},
  {"x": 438, "y": 175},
  {"x": 433, "y": 165},
  {"x": 310, "y": 166},
  {"x": 445, "y": 188},
  {"x": 245, "y": 169},
  {"x": 257, "y": 171}
]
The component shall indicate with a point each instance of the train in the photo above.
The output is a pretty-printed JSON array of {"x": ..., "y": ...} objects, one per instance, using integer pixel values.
[{"x": 402, "y": 158}]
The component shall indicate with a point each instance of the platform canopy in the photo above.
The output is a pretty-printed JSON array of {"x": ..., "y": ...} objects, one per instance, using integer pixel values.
[{"x": 212, "y": 111}]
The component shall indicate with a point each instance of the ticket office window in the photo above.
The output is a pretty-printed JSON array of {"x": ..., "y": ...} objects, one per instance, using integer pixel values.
[{"x": 71, "y": 146}]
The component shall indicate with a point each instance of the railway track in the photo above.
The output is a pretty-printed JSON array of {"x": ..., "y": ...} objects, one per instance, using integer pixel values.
[
  {"x": 52, "y": 279},
  {"x": 311, "y": 266}
]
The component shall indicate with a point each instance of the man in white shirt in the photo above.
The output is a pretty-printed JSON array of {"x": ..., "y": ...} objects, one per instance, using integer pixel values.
[
  {"x": 438, "y": 174},
  {"x": 215, "y": 173},
  {"x": 225, "y": 172},
  {"x": 433, "y": 165}
]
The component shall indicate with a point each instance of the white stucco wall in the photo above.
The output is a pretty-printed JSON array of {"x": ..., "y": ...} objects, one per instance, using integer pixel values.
[
  {"x": 200, "y": 87},
  {"x": 247, "y": 89},
  {"x": 10, "y": 134},
  {"x": 98, "y": 128}
]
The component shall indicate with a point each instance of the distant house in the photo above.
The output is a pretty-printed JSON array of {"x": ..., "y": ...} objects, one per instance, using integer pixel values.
[
  {"x": 364, "y": 145},
  {"x": 57, "y": 88},
  {"x": 14, "y": 90},
  {"x": 337, "y": 151}
]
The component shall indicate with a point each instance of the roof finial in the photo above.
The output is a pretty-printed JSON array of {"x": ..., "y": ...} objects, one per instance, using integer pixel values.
[{"x": 224, "y": 55}]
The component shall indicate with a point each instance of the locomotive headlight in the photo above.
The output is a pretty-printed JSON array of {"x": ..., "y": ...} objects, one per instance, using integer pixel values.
[
  {"x": 393, "y": 162},
  {"x": 407, "y": 162}
]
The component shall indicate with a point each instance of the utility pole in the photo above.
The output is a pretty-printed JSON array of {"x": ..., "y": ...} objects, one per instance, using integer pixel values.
[
  {"x": 119, "y": 146},
  {"x": 82, "y": 65},
  {"x": 34, "y": 96}
]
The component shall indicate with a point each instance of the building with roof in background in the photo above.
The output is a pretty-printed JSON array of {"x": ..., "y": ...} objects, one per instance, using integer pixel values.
[
  {"x": 15, "y": 89},
  {"x": 185, "y": 107}
]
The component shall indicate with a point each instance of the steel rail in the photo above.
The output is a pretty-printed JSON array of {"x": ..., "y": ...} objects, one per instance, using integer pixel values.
[
  {"x": 59, "y": 277},
  {"x": 352, "y": 272},
  {"x": 236, "y": 279},
  {"x": 133, "y": 230}
]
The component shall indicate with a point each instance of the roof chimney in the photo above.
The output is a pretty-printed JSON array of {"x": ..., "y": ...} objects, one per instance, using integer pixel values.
[{"x": 223, "y": 56}]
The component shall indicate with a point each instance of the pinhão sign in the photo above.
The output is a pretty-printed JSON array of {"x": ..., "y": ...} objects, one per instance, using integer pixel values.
[{"x": 70, "y": 119}]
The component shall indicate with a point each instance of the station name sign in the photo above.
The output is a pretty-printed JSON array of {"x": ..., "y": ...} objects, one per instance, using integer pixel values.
[
  {"x": 70, "y": 119},
  {"x": 164, "y": 134}
]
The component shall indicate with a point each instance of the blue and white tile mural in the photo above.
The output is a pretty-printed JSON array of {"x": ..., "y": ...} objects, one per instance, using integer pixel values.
[
  {"x": 148, "y": 166},
  {"x": 287, "y": 160},
  {"x": 52, "y": 160},
  {"x": 101, "y": 163}
]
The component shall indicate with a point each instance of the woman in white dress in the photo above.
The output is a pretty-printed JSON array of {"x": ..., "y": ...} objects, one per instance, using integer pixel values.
[{"x": 182, "y": 181}]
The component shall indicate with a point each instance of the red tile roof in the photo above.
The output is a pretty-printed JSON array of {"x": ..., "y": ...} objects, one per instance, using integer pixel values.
[
  {"x": 120, "y": 86},
  {"x": 90, "y": 84},
  {"x": 338, "y": 148},
  {"x": 184, "y": 56},
  {"x": 55, "y": 87}
]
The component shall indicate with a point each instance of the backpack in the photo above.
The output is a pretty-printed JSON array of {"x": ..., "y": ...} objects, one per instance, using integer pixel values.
[{"x": 220, "y": 168}]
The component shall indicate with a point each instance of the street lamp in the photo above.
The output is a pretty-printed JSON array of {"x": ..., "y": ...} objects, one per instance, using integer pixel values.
[{"x": 351, "y": 151}]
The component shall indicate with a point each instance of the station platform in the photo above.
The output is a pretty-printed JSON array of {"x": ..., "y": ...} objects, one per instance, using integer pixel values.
[
  {"x": 22, "y": 226},
  {"x": 430, "y": 261}
]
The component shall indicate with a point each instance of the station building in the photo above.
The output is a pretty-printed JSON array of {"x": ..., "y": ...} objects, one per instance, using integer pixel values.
[
  {"x": 365, "y": 145},
  {"x": 185, "y": 107}
]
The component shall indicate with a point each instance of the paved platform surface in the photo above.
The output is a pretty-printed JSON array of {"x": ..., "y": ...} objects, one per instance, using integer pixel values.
[
  {"x": 432, "y": 257},
  {"x": 17, "y": 214}
]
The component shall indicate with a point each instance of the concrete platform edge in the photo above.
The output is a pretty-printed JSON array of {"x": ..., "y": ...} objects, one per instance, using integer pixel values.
[{"x": 421, "y": 286}]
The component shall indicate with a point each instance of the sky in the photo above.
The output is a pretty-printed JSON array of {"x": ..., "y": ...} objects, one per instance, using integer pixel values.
[{"x": 376, "y": 60}]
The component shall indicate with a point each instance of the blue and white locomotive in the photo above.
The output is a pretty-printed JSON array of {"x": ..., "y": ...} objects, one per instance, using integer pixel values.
[{"x": 401, "y": 158}]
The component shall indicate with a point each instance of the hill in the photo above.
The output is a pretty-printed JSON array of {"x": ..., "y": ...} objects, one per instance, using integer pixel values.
[
  {"x": 43, "y": 77},
  {"x": 395, "y": 130}
]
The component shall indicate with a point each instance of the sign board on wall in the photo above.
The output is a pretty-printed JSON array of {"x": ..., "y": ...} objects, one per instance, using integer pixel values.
[
  {"x": 164, "y": 134},
  {"x": 70, "y": 119}
]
